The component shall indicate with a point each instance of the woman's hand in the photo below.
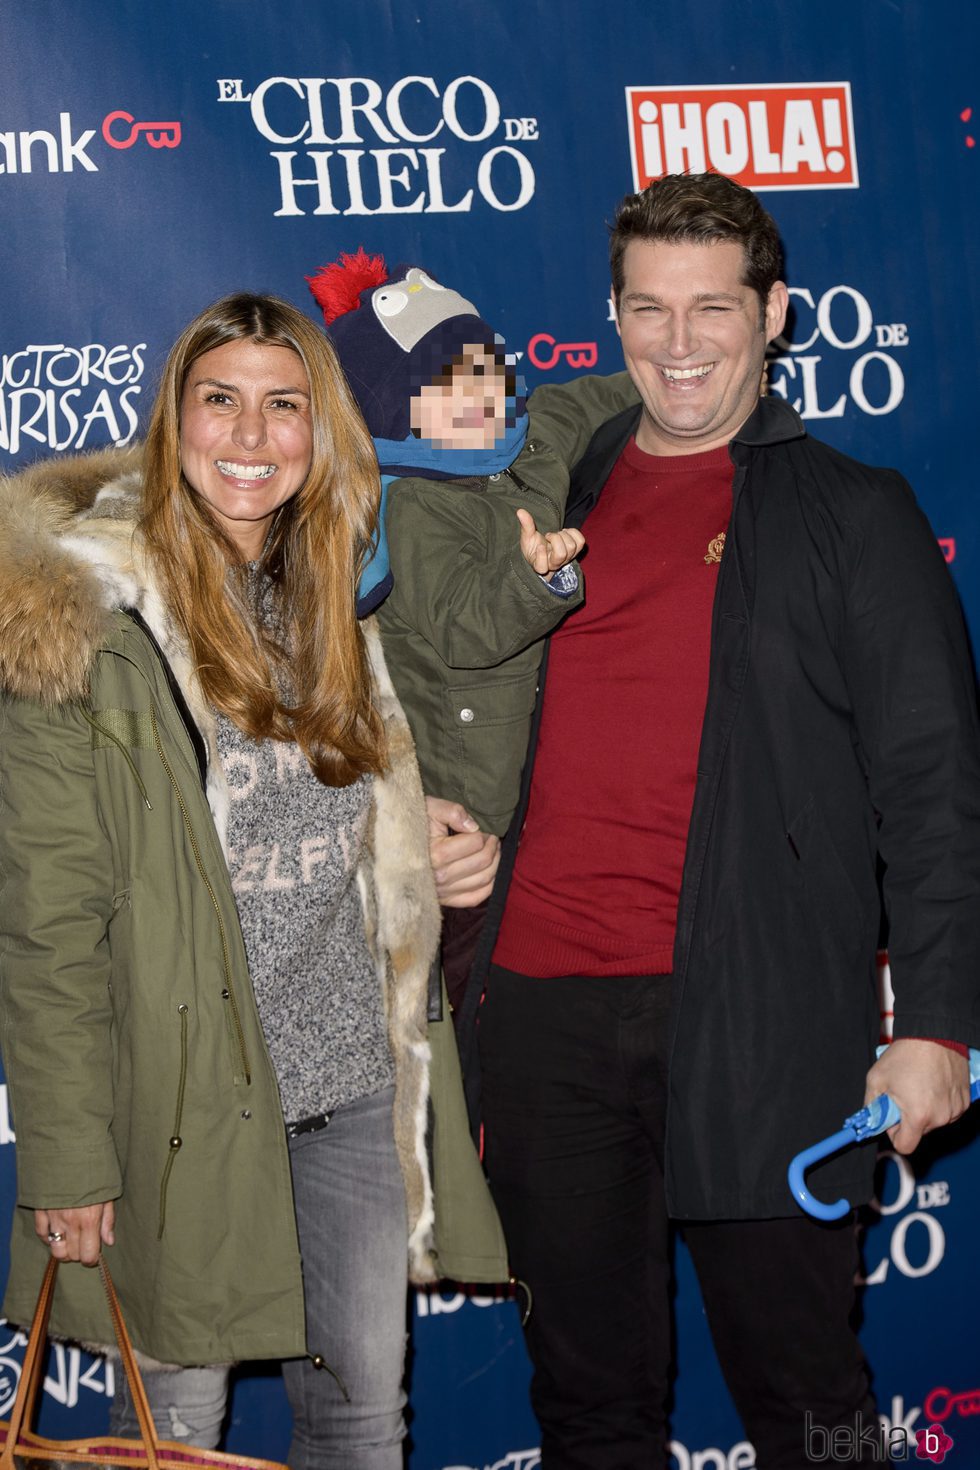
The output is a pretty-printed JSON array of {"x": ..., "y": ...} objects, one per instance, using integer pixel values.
[
  {"x": 464, "y": 859},
  {"x": 77, "y": 1234}
]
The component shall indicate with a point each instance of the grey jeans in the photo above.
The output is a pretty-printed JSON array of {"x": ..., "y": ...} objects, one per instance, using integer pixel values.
[{"x": 353, "y": 1232}]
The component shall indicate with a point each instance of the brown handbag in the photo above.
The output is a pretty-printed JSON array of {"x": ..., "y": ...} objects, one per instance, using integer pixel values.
[{"x": 22, "y": 1448}]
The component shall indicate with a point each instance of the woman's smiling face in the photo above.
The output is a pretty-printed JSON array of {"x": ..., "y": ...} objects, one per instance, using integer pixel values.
[{"x": 246, "y": 436}]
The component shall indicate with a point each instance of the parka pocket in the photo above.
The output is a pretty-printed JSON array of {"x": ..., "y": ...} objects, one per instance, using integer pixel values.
[
  {"x": 120, "y": 938},
  {"x": 489, "y": 723},
  {"x": 176, "y": 1142},
  {"x": 236, "y": 1046},
  {"x": 119, "y": 932}
]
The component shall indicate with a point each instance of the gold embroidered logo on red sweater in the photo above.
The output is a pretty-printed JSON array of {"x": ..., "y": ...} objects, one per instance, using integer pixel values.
[{"x": 715, "y": 548}]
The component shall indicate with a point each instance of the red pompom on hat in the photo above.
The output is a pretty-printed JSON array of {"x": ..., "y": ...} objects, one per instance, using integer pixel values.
[
  {"x": 337, "y": 287},
  {"x": 410, "y": 329}
]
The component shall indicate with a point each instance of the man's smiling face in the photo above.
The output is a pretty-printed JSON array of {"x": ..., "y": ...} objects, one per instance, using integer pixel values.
[{"x": 694, "y": 339}]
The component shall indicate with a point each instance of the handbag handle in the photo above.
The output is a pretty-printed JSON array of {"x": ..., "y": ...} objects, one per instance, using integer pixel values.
[{"x": 31, "y": 1372}]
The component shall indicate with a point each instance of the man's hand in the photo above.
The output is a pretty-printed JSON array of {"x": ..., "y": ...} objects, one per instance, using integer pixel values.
[
  {"x": 930, "y": 1083},
  {"x": 464, "y": 859},
  {"x": 547, "y": 551},
  {"x": 80, "y": 1233}
]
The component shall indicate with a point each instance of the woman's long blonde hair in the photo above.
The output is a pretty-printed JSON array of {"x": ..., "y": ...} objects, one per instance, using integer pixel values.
[{"x": 314, "y": 553}]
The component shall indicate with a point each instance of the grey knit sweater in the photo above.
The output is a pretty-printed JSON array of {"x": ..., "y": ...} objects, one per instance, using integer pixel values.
[{"x": 294, "y": 847}]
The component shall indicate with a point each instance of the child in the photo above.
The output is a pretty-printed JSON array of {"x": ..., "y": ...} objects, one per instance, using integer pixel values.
[
  {"x": 481, "y": 568},
  {"x": 473, "y": 510}
]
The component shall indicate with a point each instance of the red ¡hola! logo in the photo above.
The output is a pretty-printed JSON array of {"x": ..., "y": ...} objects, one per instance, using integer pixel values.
[{"x": 797, "y": 135}]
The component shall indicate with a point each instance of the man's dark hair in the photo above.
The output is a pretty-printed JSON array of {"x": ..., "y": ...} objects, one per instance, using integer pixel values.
[{"x": 703, "y": 209}]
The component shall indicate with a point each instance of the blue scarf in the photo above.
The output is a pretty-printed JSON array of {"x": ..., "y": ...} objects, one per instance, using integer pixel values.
[
  {"x": 411, "y": 456},
  {"x": 376, "y": 578}
]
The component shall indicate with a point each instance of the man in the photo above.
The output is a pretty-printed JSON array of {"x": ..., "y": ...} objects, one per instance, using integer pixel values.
[{"x": 767, "y": 696}]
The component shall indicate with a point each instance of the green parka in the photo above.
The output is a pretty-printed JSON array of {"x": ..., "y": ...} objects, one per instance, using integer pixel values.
[{"x": 134, "y": 1054}]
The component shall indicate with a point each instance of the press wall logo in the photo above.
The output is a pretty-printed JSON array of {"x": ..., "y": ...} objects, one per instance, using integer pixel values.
[
  {"x": 121, "y": 130},
  {"x": 545, "y": 353},
  {"x": 66, "y": 397},
  {"x": 60, "y": 150},
  {"x": 840, "y": 351},
  {"x": 442, "y": 1304},
  {"x": 516, "y": 1460},
  {"x": 7, "y": 1134},
  {"x": 70, "y": 1371},
  {"x": 741, "y": 1456},
  {"x": 796, "y": 135},
  {"x": 912, "y": 1241},
  {"x": 346, "y": 146},
  {"x": 944, "y": 1403}
]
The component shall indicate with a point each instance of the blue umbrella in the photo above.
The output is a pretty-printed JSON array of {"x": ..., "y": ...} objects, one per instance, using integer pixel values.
[{"x": 866, "y": 1123}]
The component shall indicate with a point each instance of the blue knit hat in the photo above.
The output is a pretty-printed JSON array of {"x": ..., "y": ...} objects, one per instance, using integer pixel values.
[{"x": 395, "y": 334}]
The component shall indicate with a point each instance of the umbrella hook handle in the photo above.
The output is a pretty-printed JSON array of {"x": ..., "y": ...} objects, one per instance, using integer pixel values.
[
  {"x": 869, "y": 1121},
  {"x": 805, "y": 1160}
]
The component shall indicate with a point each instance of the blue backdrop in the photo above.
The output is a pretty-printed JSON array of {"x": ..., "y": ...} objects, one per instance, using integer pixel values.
[{"x": 154, "y": 158}]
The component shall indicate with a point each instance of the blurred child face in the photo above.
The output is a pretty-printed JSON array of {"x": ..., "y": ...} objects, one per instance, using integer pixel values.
[{"x": 467, "y": 407}]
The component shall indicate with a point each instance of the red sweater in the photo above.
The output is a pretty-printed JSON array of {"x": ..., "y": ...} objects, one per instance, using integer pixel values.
[{"x": 598, "y": 872}]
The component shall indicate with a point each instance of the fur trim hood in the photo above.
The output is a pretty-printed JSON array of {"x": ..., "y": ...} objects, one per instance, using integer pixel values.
[
  {"x": 66, "y": 563},
  {"x": 71, "y": 557}
]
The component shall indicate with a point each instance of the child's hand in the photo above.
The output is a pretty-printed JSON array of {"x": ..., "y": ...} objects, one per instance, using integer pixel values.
[{"x": 547, "y": 551}]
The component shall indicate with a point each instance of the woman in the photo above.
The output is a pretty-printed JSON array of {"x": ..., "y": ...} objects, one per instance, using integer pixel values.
[{"x": 208, "y": 786}]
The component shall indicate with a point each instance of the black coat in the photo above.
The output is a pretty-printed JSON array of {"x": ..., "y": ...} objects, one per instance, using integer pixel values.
[{"x": 840, "y": 744}]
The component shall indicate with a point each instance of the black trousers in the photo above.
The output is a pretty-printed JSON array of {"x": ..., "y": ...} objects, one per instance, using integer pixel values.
[{"x": 574, "y": 1088}]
